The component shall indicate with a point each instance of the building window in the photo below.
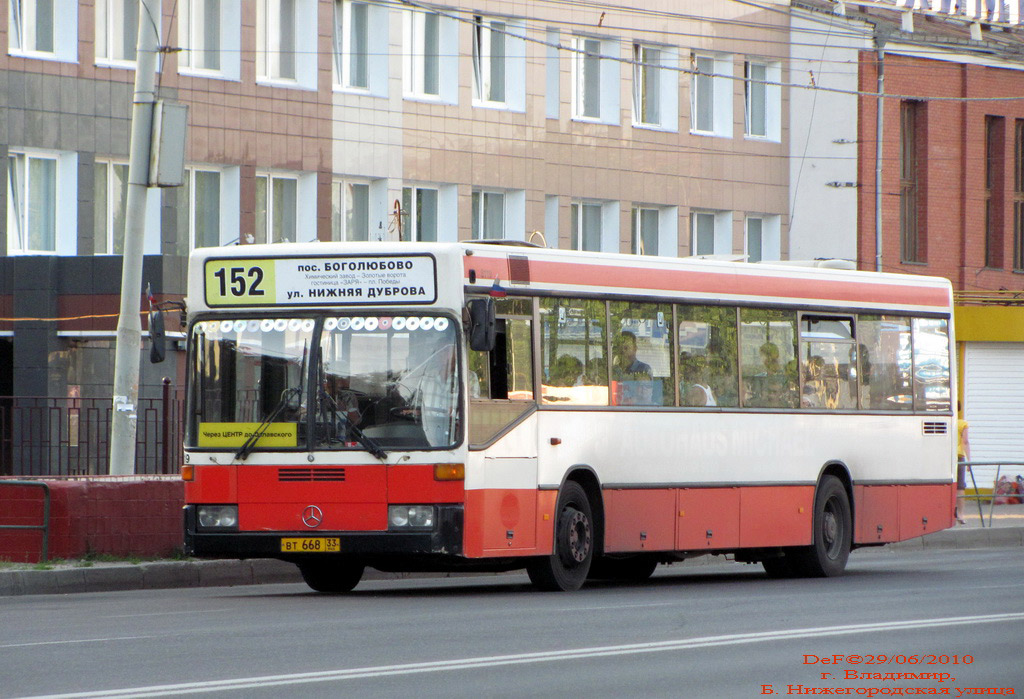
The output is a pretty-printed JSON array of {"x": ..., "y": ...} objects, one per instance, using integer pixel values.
[
  {"x": 117, "y": 30},
  {"x": 423, "y": 61},
  {"x": 199, "y": 208},
  {"x": 351, "y": 44},
  {"x": 110, "y": 204},
  {"x": 488, "y": 215},
  {"x": 419, "y": 214},
  {"x": 489, "y": 59},
  {"x": 350, "y": 211},
  {"x": 646, "y": 229},
  {"x": 1018, "y": 196},
  {"x": 711, "y": 95},
  {"x": 994, "y": 169},
  {"x": 586, "y": 226},
  {"x": 276, "y": 208},
  {"x": 587, "y": 78},
  {"x": 284, "y": 30},
  {"x": 755, "y": 239},
  {"x": 711, "y": 233},
  {"x": 45, "y": 29},
  {"x": 31, "y": 26},
  {"x": 646, "y": 84},
  {"x": 31, "y": 203},
  {"x": 199, "y": 27},
  {"x": 755, "y": 75},
  {"x": 763, "y": 238},
  {"x": 911, "y": 241},
  {"x": 763, "y": 97}
]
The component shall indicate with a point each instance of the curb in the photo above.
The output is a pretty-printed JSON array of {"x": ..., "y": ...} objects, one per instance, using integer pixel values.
[{"x": 262, "y": 571}]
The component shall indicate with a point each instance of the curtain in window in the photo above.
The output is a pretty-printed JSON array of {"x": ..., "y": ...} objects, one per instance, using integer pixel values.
[
  {"x": 757, "y": 99},
  {"x": 703, "y": 234},
  {"x": 703, "y": 95},
  {"x": 754, "y": 239},
  {"x": 207, "y": 208},
  {"x": 646, "y": 88}
]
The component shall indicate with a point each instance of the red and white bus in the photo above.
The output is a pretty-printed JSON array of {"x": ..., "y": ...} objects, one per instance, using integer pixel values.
[{"x": 474, "y": 406}]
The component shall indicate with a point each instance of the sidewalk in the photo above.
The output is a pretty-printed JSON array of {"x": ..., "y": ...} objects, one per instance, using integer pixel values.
[{"x": 1007, "y": 530}]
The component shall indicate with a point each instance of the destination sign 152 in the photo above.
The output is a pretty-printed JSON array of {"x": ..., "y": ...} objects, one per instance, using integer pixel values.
[{"x": 323, "y": 281}]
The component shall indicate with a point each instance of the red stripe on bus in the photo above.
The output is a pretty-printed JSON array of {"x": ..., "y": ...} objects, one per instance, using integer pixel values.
[{"x": 756, "y": 285}]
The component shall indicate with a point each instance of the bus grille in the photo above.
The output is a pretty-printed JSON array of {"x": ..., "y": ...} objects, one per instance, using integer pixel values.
[
  {"x": 306, "y": 475},
  {"x": 934, "y": 427}
]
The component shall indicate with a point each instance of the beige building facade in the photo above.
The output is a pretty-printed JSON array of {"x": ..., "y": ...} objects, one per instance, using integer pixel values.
[{"x": 637, "y": 127}]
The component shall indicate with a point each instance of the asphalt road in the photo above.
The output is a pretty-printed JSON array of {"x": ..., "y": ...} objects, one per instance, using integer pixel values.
[{"x": 943, "y": 619}]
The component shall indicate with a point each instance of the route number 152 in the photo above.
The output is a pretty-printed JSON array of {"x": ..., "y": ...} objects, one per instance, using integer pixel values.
[{"x": 239, "y": 281}]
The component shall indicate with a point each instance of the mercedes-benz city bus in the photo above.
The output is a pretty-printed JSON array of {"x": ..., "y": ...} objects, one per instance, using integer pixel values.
[{"x": 474, "y": 406}]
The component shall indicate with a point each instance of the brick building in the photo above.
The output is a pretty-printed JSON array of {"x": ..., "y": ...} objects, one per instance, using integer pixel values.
[{"x": 952, "y": 182}]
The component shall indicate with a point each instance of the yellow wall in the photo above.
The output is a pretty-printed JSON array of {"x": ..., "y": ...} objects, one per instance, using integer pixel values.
[{"x": 989, "y": 323}]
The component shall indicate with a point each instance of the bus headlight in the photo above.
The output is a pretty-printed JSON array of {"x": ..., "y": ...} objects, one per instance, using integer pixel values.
[
  {"x": 410, "y": 516},
  {"x": 217, "y": 516}
]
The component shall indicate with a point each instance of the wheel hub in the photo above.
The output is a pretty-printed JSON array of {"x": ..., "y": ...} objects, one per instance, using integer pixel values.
[{"x": 577, "y": 529}]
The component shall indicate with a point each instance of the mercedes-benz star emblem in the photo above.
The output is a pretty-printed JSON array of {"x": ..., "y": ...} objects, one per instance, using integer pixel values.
[{"x": 312, "y": 516}]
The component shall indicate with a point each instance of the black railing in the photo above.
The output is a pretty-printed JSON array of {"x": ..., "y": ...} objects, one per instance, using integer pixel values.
[{"x": 41, "y": 436}]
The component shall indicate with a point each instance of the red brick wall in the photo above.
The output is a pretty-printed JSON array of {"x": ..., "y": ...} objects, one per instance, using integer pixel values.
[
  {"x": 954, "y": 184},
  {"x": 101, "y": 516}
]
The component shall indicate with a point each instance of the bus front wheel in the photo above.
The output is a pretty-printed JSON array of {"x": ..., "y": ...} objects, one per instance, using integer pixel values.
[
  {"x": 566, "y": 568},
  {"x": 833, "y": 532},
  {"x": 332, "y": 576}
]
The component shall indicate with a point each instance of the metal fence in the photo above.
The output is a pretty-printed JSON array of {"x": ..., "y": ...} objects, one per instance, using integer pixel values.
[
  {"x": 41, "y": 436},
  {"x": 980, "y": 497}
]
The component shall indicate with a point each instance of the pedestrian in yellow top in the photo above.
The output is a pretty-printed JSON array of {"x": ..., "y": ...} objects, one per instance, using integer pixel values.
[{"x": 963, "y": 455}]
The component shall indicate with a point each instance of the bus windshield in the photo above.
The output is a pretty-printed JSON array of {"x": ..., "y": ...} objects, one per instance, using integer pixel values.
[{"x": 335, "y": 382}]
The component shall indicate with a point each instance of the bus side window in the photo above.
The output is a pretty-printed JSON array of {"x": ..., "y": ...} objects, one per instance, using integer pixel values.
[
  {"x": 885, "y": 355},
  {"x": 768, "y": 365}
]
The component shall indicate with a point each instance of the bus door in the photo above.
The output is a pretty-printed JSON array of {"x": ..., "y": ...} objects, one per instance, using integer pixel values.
[{"x": 501, "y": 478}]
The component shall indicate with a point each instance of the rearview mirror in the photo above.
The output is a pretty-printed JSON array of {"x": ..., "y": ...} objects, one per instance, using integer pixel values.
[
  {"x": 481, "y": 324},
  {"x": 158, "y": 341}
]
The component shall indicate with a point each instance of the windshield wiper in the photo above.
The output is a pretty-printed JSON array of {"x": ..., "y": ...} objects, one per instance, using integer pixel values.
[
  {"x": 368, "y": 443},
  {"x": 287, "y": 396}
]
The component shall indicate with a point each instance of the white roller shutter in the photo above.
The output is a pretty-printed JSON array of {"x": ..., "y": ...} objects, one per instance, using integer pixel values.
[{"x": 994, "y": 406}]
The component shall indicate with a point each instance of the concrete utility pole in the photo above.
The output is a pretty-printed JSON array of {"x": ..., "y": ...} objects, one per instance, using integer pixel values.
[{"x": 129, "y": 325}]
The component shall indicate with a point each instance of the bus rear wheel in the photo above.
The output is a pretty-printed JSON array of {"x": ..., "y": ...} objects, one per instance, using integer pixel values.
[
  {"x": 566, "y": 568},
  {"x": 332, "y": 576},
  {"x": 833, "y": 532}
]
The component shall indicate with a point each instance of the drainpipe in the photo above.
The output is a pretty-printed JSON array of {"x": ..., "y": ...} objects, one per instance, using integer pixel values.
[{"x": 880, "y": 47}]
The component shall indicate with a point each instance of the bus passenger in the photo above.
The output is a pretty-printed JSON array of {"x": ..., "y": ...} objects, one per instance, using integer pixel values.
[
  {"x": 636, "y": 381},
  {"x": 695, "y": 390}
]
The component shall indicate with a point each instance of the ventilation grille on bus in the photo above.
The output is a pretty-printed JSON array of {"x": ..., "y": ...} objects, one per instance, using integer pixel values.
[
  {"x": 519, "y": 269},
  {"x": 306, "y": 475},
  {"x": 934, "y": 427}
]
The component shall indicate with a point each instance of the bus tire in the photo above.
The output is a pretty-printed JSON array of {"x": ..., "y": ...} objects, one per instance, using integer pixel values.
[
  {"x": 332, "y": 576},
  {"x": 631, "y": 568},
  {"x": 566, "y": 568},
  {"x": 832, "y": 535}
]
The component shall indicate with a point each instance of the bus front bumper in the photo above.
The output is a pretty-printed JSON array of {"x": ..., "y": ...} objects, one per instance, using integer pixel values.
[{"x": 444, "y": 539}]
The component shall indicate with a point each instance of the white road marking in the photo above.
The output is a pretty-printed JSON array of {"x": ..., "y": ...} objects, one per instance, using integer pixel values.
[
  {"x": 78, "y": 640},
  {"x": 525, "y": 658},
  {"x": 192, "y": 612}
]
